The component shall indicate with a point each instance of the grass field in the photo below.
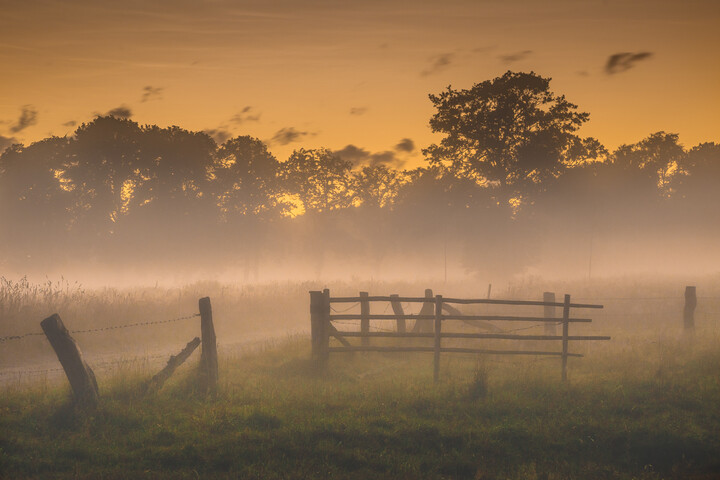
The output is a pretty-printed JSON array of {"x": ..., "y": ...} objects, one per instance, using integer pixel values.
[
  {"x": 645, "y": 405},
  {"x": 651, "y": 414}
]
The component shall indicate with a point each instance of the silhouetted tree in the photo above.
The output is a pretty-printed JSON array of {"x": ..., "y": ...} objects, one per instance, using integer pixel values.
[
  {"x": 175, "y": 176},
  {"x": 699, "y": 171},
  {"x": 246, "y": 177},
  {"x": 320, "y": 178},
  {"x": 34, "y": 204},
  {"x": 657, "y": 157},
  {"x": 378, "y": 185},
  {"x": 511, "y": 133},
  {"x": 104, "y": 168}
]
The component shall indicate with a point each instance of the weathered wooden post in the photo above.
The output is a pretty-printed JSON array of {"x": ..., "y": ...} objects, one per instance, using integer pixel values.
[
  {"x": 438, "y": 337},
  {"x": 316, "y": 315},
  {"x": 549, "y": 312},
  {"x": 81, "y": 377},
  {"x": 320, "y": 326},
  {"x": 325, "y": 332},
  {"x": 364, "y": 318},
  {"x": 208, "y": 356},
  {"x": 689, "y": 309},
  {"x": 173, "y": 363},
  {"x": 399, "y": 312},
  {"x": 566, "y": 324}
]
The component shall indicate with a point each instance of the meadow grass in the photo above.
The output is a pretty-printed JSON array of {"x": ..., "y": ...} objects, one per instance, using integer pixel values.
[
  {"x": 645, "y": 405},
  {"x": 650, "y": 415}
]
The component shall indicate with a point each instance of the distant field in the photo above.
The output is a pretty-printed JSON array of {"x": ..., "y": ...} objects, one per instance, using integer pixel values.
[{"x": 645, "y": 405}]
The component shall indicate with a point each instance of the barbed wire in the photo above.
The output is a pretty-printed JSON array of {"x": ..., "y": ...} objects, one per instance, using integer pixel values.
[
  {"x": 18, "y": 337},
  {"x": 101, "y": 329},
  {"x": 531, "y": 326},
  {"x": 139, "y": 324}
]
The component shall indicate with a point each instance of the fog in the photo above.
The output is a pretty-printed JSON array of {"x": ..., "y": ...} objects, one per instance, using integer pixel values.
[{"x": 120, "y": 222}]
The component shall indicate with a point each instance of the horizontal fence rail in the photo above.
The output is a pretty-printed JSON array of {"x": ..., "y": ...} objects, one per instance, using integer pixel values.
[
  {"x": 359, "y": 316},
  {"x": 435, "y": 311},
  {"x": 459, "y": 301}
]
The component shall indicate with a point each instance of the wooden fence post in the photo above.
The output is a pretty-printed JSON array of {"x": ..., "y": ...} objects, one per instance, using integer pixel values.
[
  {"x": 364, "y": 320},
  {"x": 317, "y": 301},
  {"x": 438, "y": 337},
  {"x": 81, "y": 377},
  {"x": 325, "y": 331},
  {"x": 566, "y": 323},
  {"x": 208, "y": 356},
  {"x": 549, "y": 312},
  {"x": 398, "y": 310},
  {"x": 689, "y": 309}
]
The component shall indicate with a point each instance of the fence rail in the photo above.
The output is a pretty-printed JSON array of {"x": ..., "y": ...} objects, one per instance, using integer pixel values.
[{"x": 437, "y": 310}]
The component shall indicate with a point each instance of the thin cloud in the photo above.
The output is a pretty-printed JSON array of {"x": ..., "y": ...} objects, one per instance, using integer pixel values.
[
  {"x": 71, "y": 123},
  {"x": 28, "y": 117},
  {"x": 484, "y": 49},
  {"x": 151, "y": 93},
  {"x": 624, "y": 61},
  {"x": 358, "y": 110},
  {"x": 515, "y": 57},
  {"x": 288, "y": 135},
  {"x": 405, "y": 145},
  {"x": 438, "y": 64},
  {"x": 122, "y": 112},
  {"x": 245, "y": 115},
  {"x": 220, "y": 135},
  {"x": 360, "y": 157},
  {"x": 353, "y": 154}
]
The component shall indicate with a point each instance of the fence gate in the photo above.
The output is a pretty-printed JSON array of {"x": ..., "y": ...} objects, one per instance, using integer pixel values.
[{"x": 429, "y": 323}]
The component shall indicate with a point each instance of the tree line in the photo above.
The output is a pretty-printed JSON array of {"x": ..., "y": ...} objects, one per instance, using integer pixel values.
[{"x": 509, "y": 171}]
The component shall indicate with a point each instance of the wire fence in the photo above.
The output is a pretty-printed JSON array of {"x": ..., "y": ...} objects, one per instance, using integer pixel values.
[
  {"x": 20, "y": 373},
  {"x": 102, "y": 329}
]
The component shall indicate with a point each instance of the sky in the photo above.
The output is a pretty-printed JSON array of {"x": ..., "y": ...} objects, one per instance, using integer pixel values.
[{"x": 352, "y": 75}]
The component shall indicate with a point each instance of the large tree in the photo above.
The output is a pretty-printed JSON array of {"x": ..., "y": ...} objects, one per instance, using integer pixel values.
[
  {"x": 246, "y": 177},
  {"x": 320, "y": 178},
  {"x": 378, "y": 185},
  {"x": 511, "y": 133},
  {"x": 656, "y": 158}
]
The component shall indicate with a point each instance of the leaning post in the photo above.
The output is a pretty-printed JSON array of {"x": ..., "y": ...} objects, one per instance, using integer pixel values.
[
  {"x": 208, "y": 356},
  {"x": 425, "y": 325},
  {"x": 173, "y": 363},
  {"x": 81, "y": 377},
  {"x": 438, "y": 337},
  {"x": 689, "y": 309},
  {"x": 566, "y": 324},
  {"x": 399, "y": 312}
]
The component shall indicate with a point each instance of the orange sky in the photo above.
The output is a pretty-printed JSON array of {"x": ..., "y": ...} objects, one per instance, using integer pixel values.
[{"x": 333, "y": 73}]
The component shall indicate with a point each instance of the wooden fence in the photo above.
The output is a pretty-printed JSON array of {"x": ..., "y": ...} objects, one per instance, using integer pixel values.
[{"x": 437, "y": 310}]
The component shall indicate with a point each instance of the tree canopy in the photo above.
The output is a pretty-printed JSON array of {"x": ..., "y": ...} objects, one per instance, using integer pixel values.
[{"x": 511, "y": 133}]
